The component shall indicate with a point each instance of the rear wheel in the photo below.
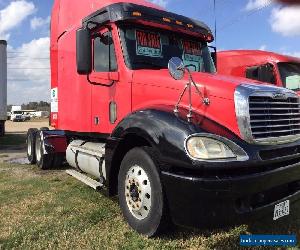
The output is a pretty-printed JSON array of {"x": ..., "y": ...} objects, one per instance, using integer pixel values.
[
  {"x": 140, "y": 191},
  {"x": 44, "y": 128},
  {"x": 44, "y": 161},
  {"x": 31, "y": 156}
]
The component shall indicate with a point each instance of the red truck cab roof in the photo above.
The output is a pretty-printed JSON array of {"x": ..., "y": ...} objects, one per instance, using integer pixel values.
[
  {"x": 263, "y": 66},
  {"x": 73, "y": 14},
  {"x": 253, "y": 57}
]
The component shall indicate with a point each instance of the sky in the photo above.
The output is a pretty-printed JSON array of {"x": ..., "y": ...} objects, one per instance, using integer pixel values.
[{"x": 241, "y": 24}]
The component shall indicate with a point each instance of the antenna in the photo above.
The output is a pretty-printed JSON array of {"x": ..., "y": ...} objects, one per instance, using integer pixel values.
[{"x": 215, "y": 12}]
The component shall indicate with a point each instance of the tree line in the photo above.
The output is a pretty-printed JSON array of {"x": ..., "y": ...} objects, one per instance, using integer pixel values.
[{"x": 38, "y": 106}]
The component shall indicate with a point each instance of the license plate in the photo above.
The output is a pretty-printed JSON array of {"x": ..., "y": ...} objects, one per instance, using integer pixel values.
[{"x": 281, "y": 209}]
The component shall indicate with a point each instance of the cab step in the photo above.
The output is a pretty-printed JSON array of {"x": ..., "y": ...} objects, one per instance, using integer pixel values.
[{"x": 85, "y": 179}]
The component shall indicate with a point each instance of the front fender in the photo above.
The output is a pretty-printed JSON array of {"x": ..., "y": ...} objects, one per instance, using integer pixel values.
[{"x": 164, "y": 131}]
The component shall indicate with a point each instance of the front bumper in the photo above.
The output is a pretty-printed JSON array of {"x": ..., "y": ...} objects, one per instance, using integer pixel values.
[{"x": 213, "y": 201}]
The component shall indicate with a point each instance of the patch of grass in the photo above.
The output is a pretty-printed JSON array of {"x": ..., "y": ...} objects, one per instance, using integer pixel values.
[
  {"x": 13, "y": 140},
  {"x": 49, "y": 209}
]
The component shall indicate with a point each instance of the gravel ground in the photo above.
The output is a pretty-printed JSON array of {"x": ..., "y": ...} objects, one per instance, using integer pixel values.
[
  {"x": 22, "y": 127},
  {"x": 15, "y": 152}
]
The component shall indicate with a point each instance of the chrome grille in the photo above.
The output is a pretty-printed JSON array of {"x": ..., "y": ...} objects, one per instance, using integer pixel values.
[{"x": 272, "y": 117}]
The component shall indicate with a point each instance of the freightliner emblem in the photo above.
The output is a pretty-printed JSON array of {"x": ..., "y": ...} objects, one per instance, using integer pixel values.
[{"x": 279, "y": 96}]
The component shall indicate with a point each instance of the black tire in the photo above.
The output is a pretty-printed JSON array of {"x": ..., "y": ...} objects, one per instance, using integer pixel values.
[
  {"x": 58, "y": 160},
  {"x": 157, "y": 219},
  {"x": 44, "y": 161},
  {"x": 30, "y": 141}
]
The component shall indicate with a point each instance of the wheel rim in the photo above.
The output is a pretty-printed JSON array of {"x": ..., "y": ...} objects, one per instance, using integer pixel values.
[
  {"x": 29, "y": 145},
  {"x": 138, "y": 192},
  {"x": 38, "y": 148}
]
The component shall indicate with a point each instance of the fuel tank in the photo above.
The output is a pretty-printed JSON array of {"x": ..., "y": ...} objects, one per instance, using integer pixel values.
[{"x": 87, "y": 157}]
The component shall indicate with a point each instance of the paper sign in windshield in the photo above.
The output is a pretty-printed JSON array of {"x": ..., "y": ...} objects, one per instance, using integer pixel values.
[
  {"x": 192, "y": 51},
  {"x": 148, "y": 44}
]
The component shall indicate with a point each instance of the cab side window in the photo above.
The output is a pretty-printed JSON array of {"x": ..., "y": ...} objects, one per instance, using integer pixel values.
[
  {"x": 252, "y": 73},
  {"x": 263, "y": 73},
  {"x": 104, "y": 54}
]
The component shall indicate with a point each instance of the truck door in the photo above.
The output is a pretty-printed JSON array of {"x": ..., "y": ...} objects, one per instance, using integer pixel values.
[{"x": 111, "y": 94}]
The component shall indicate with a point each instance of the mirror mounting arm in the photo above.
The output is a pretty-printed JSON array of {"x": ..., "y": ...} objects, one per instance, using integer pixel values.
[
  {"x": 188, "y": 86},
  {"x": 206, "y": 100},
  {"x": 177, "y": 70}
]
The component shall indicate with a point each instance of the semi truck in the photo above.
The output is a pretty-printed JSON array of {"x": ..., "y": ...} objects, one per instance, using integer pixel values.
[
  {"x": 264, "y": 66},
  {"x": 139, "y": 112},
  {"x": 16, "y": 114}
]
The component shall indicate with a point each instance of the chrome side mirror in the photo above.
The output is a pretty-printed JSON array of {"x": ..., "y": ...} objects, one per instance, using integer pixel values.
[{"x": 176, "y": 68}]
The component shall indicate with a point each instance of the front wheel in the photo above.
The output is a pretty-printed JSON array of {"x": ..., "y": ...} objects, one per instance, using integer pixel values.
[{"x": 141, "y": 195}]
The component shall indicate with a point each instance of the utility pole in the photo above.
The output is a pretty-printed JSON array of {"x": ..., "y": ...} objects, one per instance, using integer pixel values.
[{"x": 3, "y": 86}]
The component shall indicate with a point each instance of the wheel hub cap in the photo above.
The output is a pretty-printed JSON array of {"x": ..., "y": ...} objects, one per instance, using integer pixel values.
[
  {"x": 134, "y": 193},
  {"x": 138, "y": 192}
]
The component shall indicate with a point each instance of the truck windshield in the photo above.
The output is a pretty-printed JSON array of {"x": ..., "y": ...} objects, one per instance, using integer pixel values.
[
  {"x": 290, "y": 75},
  {"x": 147, "y": 48}
]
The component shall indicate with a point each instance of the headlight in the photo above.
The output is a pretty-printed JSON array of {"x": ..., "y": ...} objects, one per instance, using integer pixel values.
[{"x": 208, "y": 149}]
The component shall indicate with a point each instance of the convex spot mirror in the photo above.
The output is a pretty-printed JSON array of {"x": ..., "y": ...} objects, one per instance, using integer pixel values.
[
  {"x": 83, "y": 51},
  {"x": 176, "y": 68}
]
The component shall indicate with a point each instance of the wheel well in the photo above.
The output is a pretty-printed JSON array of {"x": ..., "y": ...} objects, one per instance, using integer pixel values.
[{"x": 129, "y": 142}]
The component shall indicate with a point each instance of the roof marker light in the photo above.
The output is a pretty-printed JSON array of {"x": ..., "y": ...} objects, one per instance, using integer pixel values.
[
  {"x": 190, "y": 26},
  {"x": 168, "y": 20},
  {"x": 136, "y": 13},
  {"x": 179, "y": 22},
  {"x": 209, "y": 38}
]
